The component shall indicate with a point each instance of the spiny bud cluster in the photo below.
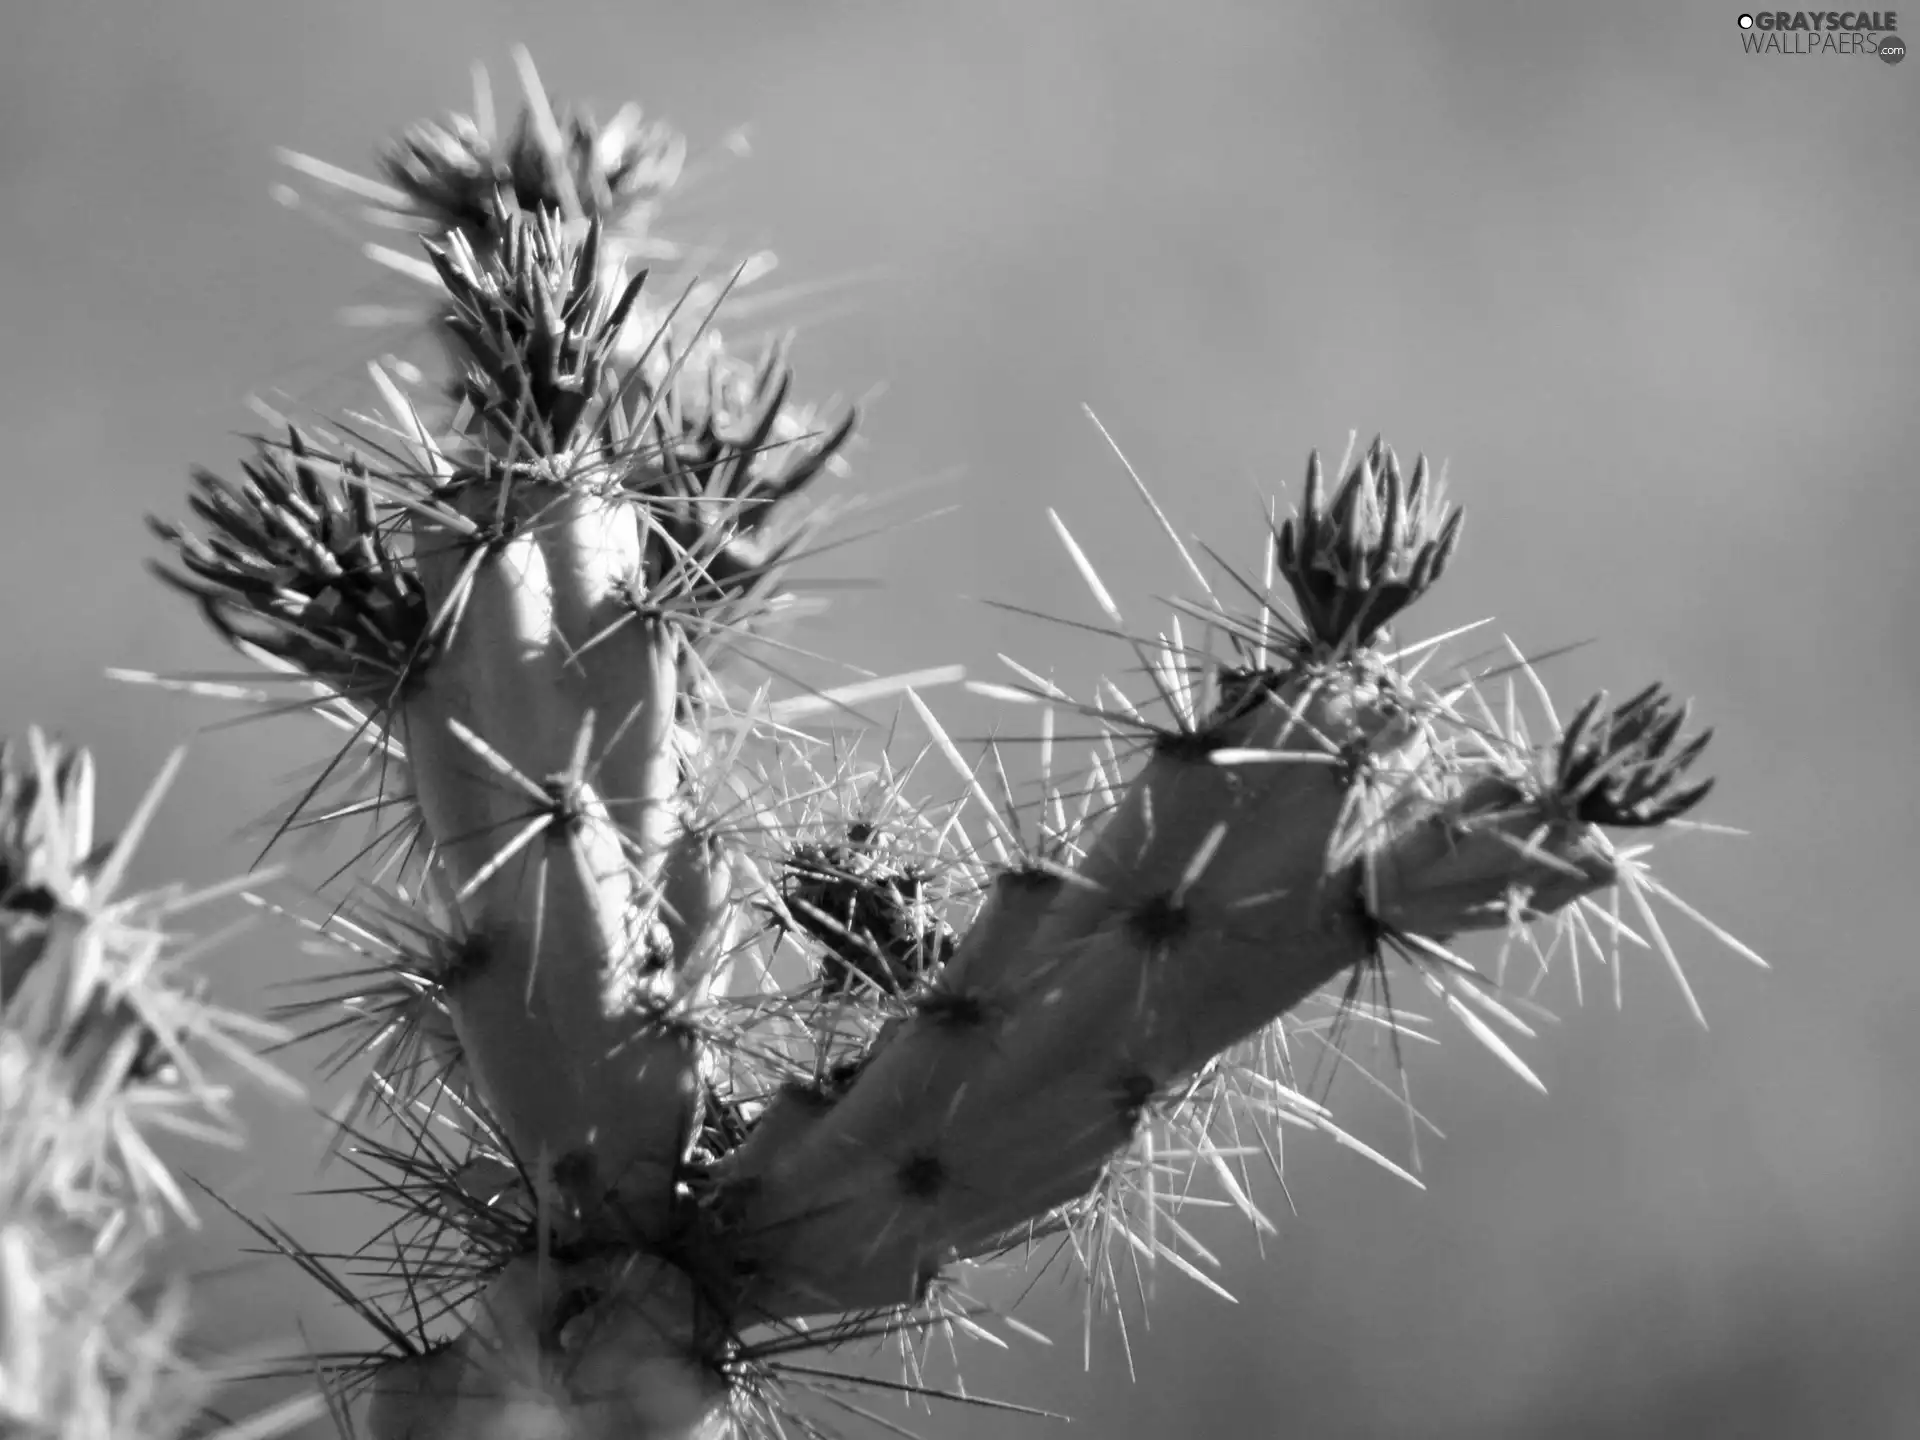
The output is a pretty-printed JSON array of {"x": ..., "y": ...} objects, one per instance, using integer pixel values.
[{"x": 871, "y": 911}]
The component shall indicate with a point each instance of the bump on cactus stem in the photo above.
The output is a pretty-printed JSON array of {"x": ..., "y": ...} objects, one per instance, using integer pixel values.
[{"x": 871, "y": 912}]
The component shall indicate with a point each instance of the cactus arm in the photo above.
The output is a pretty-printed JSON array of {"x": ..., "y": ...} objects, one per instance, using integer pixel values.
[{"x": 560, "y": 1010}]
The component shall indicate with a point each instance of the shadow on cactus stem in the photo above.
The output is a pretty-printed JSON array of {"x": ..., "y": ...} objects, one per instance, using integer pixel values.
[{"x": 693, "y": 1044}]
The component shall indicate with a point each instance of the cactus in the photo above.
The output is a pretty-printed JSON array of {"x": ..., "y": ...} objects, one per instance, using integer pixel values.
[
  {"x": 694, "y": 1037},
  {"x": 107, "y": 1047}
]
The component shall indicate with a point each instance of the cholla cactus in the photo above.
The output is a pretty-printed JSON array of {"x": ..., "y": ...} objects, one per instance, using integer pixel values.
[
  {"x": 705, "y": 1038},
  {"x": 105, "y": 1041}
]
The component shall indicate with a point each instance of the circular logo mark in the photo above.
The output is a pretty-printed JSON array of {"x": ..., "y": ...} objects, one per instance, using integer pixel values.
[
  {"x": 1746, "y": 22},
  {"x": 1892, "y": 49}
]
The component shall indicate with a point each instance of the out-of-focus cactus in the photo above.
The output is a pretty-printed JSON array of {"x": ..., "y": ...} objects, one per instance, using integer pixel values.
[
  {"x": 105, "y": 1046},
  {"x": 746, "y": 1051}
]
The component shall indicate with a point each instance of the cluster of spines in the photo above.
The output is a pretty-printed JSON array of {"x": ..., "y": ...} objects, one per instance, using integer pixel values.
[
  {"x": 533, "y": 328},
  {"x": 296, "y": 561},
  {"x": 460, "y": 175},
  {"x": 873, "y": 916},
  {"x": 1357, "y": 561},
  {"x": 1624, "y": 767}
]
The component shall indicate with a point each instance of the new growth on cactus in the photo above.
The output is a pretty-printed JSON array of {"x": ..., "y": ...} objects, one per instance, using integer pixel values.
[{"x": 694, "y": 1036}]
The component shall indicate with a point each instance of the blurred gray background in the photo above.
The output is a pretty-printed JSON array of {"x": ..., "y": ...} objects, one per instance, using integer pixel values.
[{"x": 1656, "y": 300}]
